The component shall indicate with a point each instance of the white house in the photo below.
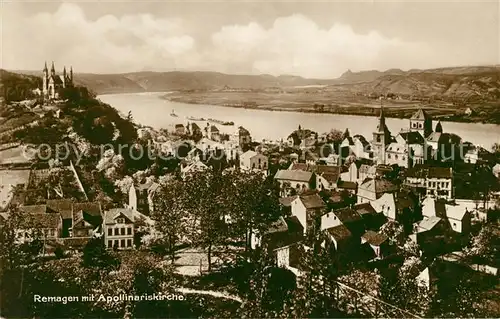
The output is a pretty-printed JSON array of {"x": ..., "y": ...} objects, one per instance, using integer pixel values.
[
  {"x": 118, "y": 228},
  {"x": 373, "y": 188},
  {"x": 251, "y": 160},
  {"x": 458, "y": 216},
  {"x": 308, "y": 209},
  {"x": 295, "y": 179}
]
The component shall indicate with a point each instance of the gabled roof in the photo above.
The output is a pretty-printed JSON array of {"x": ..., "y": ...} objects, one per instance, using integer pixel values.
[
  {"x": 62, "y": 206},
  {"x": 39, "y": 220},
  {"x": 347, "y": 185},
  {"x": 373, "y": 238},
  {"x": 428, "y": 223},
  {"x": 364, "y": 209},
  {"x": 34, "y": 209},
  {"x": 112, "y": 214},
  {"x": 287, "y": 201},
  {"x": 312, "y": 201},
  {"x": 347, "y": 215},
  {"x": 300, "y": 166},
  {"x": 248, "y": 155},
  {"x": 339, "y": 232},
  {"x": 412, "y": 137},
  {"x": 214, "y": 128},
  {"x": 378, "y": 185},
  {"x": 295, "y": 175},
  {"x": 420, "y": 115},
  {"x": 91, "y": 208},
  {"x": 363, "y": 161},
  {"x": 179, "y": 125},
  {"x": 362, "y": 139}
]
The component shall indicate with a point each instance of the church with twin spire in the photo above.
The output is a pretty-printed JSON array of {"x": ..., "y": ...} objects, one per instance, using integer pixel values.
[{"x": 53, "y": 83}]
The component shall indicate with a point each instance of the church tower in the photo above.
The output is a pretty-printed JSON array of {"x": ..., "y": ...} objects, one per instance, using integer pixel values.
[
  {"x": 52, "y": 70},
  {"x": 421, "y": 122},
  {"x": 381, "y": 138},
  {"x": 45, "y": 80}
]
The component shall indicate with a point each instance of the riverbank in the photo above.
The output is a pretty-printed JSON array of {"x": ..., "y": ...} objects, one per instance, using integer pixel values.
[{"x": 488, "y": 113}]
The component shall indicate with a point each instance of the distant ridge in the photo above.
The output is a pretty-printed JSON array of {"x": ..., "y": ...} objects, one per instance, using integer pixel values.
[{"x": 482, "y": 82}]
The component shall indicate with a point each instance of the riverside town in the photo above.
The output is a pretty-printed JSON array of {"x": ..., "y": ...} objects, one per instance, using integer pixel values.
[{"x": 137, "y": 181}]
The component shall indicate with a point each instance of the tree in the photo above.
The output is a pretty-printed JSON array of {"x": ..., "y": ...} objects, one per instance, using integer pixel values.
[
  {"x": 270, "y": 289},
  {"x": 208, "y": 204},
  {"x": 170, "y": 213},
  {"x": 255, "y": 204},
  {"x": 95, "y": 255},
  {"x": 59, "y": 252}
]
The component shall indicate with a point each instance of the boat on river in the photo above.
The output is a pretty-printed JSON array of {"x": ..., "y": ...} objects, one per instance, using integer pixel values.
[
  {"x": 173, "y": 114},
  {"x": 221, "y": 122},
  {"x": 191, "y": 118}
]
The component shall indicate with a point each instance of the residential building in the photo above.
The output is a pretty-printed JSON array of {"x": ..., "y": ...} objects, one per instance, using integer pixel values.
[
  {"x": 359, "y": 170},
  {"x": 251, "y": 160},
  {"x": 118, "y": 228},
  {"x": 358, "y": 146},
  {"x": 458, "y": 216},
  {"x": 432, "y": 181},
  {"x": 38, "y": 225},
  {"x": 344, "y": 216},
  {"x": 180, "y": 129},
  {"x": 296, "y": 180},
  {"x": 496, "y": 170},
  {"x": 140, "y": 196},
  {"x": 373, "y": 188},
  {"x": 378, "y": 242},
  {"x": 187, "y": 169},
  {"x": 308, "y": 210},
  {"x": 87, "y": 220},
  {"x": 214, "y": 133}
]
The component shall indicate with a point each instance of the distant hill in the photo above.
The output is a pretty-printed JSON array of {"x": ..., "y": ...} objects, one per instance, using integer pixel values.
[{"x": 481, "y": 82}]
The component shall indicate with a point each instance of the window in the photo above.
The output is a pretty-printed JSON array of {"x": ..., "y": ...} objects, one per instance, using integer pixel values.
[
  {"x": 396, "y": 156},
  {"x": 52, "y": 232},
  {"x": 110, "y": 243},
  {"x": 122, "y": 231},
  {"x": 454, "y": 225},
  {"x": 129, "y": 231},
  {"x": 388, "y": 155},
  {"x": 120, "y": 220},
  {"x": 253, "y": 165},
  {"x": 129, "y": 242},
  {"x": 117, "y": 232},
  {"x": 122, "y": 243},
  {"x": 110, "y": 232},
  {"x": 117, "y": 242}
]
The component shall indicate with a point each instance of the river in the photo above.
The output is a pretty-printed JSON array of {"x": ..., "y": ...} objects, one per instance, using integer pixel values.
[{"x": 149, "y": 109}]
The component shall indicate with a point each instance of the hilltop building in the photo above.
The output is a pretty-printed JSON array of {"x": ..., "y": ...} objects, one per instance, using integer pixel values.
[{"x": 52, "y": 83}]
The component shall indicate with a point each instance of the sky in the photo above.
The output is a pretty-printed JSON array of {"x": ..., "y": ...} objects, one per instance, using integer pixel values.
[{"x": 309, "y": 39}]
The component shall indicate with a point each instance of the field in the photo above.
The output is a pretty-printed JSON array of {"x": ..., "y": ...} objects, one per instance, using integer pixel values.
[{"x": 339, "y": 102}]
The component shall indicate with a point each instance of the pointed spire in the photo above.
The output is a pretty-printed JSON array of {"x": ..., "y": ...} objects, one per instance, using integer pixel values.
[
  {"x": 45, "y": 67},
  {"x": 381, "y": 125},
  {"x": 439, "y": 127},
  {"x": 53, "y": 68}
]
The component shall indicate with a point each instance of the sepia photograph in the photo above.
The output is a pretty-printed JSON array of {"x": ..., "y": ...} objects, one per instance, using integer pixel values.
[{"x": 249, "y": 159}]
